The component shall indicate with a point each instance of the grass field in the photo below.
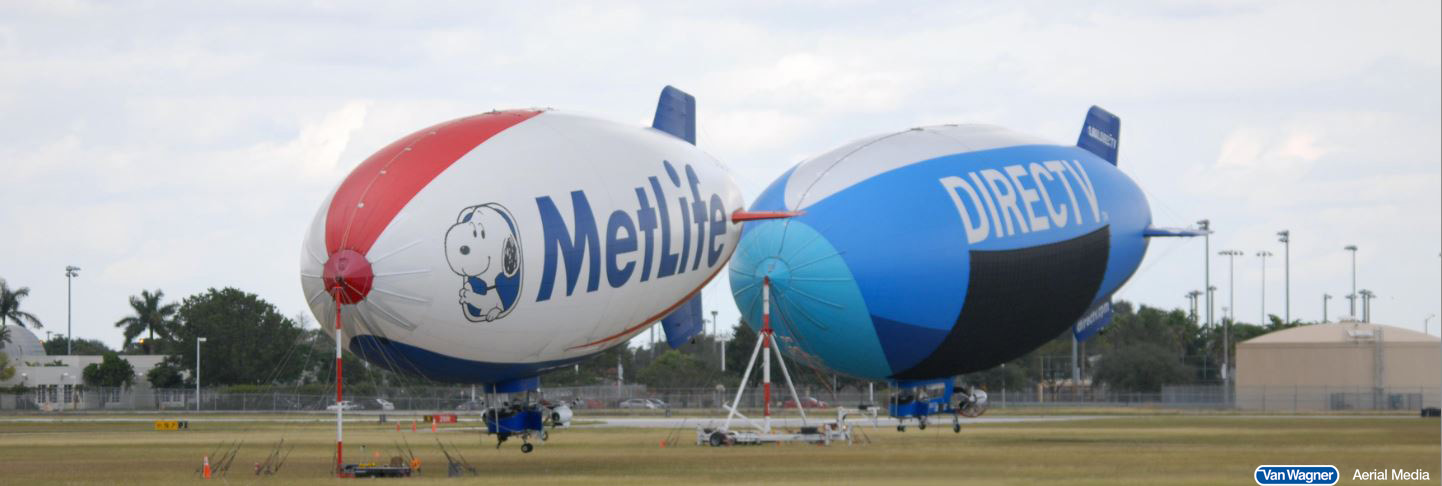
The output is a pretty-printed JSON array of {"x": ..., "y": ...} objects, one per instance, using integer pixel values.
[{"x": 1117, "y": 449}]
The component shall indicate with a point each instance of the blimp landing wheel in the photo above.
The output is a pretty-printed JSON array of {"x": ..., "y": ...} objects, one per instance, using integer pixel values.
[
  {"x": 527, "y": 448},
  {"x": 922, "y": 425},
  {"x": 545, "y": 435},
  {"x": 901, "y": 428},
  {"x": 956, "y": 428}
]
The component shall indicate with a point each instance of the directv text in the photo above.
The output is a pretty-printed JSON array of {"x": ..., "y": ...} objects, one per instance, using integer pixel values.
[{"x": 1023, "y": 198}]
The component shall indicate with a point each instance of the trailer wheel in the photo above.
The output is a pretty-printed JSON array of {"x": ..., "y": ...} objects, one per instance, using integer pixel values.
[
  {"x": 922, "y": 426},
  {"x": 717, "y": 439},
  {"x": 901, "y": 428},
  {"x": 956, "y": 428},
  {"x": 527, "y": 448}
]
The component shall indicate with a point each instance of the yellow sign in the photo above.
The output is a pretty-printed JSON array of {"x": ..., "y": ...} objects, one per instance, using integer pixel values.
[{"x": 171, "y": 424}]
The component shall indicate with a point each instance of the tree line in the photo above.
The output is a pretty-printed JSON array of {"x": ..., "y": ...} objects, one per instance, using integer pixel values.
[{"x": 250, "y": 343}]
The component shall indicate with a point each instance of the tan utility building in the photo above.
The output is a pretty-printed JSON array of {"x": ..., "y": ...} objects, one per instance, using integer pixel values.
[{"x": 1342, "y": 366}]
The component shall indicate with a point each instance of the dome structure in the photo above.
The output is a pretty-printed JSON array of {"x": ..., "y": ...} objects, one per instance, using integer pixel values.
[
  {"x": 1343, "y": 332},
  {"x": 1341, "y": 366},
  {"x": 23, "y": 343}
]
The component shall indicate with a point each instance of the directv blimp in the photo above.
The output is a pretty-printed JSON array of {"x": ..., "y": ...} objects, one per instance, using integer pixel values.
[
  {"x": 936, "y": 251},
  {"x": 491, "y": 248}
]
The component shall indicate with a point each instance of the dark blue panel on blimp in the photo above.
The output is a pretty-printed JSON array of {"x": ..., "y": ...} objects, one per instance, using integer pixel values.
[
  {"x": 683, "y": 323},
  {"x": 909, "y": 242},
  {"x": 404, "y": 358}
]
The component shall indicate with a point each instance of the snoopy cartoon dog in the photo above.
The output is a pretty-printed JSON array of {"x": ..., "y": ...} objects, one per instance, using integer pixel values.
[{"x": 484, "y": 249}]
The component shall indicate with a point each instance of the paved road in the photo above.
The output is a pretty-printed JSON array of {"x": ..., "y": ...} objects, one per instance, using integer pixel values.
[{"x": 676, "y": 422}]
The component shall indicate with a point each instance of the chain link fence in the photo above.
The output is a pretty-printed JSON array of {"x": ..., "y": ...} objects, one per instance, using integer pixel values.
[{"x": 463, "y": 399}]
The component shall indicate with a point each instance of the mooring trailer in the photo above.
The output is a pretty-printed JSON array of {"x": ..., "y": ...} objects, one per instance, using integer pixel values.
[{"x": 825, "y": 434}]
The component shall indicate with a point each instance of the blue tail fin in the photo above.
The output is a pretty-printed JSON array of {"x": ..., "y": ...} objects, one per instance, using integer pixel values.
[
  {"x": 1093, "y": 320},
  {"x": 676, "y": 114},
  {"x": 1101, "y": 134},
  {"x": 683, "y": 322}
]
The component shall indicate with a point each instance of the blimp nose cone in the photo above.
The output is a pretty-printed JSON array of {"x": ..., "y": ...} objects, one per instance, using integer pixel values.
[{"x": 348, "y": 276}]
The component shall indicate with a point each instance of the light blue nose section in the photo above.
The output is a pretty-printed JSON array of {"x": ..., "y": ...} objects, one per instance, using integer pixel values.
[{"x": 815, "y": 303}]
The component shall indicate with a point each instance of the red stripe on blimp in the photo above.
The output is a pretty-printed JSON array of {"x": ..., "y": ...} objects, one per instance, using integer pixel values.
[{"x": 380, "y": 186}]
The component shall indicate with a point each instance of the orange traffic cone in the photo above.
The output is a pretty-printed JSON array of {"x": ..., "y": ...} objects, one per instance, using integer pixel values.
[
  {"x": 205, "y": 470},
  {"x": 398, "y": 427},
  {"x": 413, "y": 425},
  {"x": 433, "y": 426}
]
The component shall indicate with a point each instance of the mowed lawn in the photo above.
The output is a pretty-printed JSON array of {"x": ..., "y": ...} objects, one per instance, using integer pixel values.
[{"x": 1170, "y": 449}]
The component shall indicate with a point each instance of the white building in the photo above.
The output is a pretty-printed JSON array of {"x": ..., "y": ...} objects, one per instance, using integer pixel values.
[{"x": 53, "y": 380}]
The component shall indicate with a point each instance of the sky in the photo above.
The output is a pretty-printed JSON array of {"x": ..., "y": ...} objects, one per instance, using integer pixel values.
[{"x": 187, "y": 145}]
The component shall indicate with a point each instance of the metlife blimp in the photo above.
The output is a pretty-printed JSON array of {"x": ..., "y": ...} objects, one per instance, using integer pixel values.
[
  {"x": 493, "y": 247},
  {"x": 941, "y": 250}
]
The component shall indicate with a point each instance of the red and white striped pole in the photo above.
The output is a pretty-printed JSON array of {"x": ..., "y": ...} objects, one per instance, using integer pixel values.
[
  {"x": 338, "y": 385},
  {"x": 766, "y": 348}
]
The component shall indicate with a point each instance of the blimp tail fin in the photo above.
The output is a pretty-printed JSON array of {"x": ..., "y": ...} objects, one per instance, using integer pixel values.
[
  {"x": 676, "y": 114},
  {"x": 1101, "y": 134},
  {"x": 683, "y": 323}
]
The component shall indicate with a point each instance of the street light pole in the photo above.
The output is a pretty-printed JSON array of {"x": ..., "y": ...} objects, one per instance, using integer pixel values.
[
  {"x": 1231, "y": 304},
  {"x": 1206, "y": 226},
  {"x": 1286, "y": 239},
  {"x": 71, "y": 271},
  {"x": 197, "y": 372},
  {"x": 1192, "y": 297},
  {"x": 1367, "y": 296},
  {"x": 1264, "y": 254},
  {"x": 1352, "y": 299},
  {"x": 1325, "y": 298}
]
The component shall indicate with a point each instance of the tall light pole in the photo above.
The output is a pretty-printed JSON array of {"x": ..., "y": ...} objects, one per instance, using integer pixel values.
[
  {"x": 1424, "y": 322},
  {"x": 197, "y": 372},
  {"x": 1192, "y": 299},
  {"x": 1231, "y": 304},
  {"x": 716, "y": 336},
  {"x": 1285, "y": 236},
  {"x": 1325, "y": 298},
  {"x": 1263, "y": 255},
  {"x": 1353, "y": 298},
  {"x": 71, "y": 271},
  {"x": 1206, "y": 226},
  {"x": 1367, "y": 296}
]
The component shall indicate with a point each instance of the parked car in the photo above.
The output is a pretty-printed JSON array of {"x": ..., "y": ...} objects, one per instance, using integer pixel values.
[
  {"x": 646, "y": 403},
  {"x": 344, "y": 405},
  {"x": 587, "y": 403},
  {"x": 806, "y": 402},
  {"x": 472, "y": 405},
  {"x": 384, "y": 404},
  {"x": 657, "y": 403}
]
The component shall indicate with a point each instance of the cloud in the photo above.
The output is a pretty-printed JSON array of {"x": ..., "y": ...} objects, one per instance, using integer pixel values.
[{"x": 183, "y": 146}]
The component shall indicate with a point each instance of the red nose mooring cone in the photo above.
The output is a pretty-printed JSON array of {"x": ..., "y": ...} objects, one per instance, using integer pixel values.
[{"x": 348, "y": 276}]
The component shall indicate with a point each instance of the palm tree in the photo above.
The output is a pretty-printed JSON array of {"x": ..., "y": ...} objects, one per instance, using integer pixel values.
[
  {"x": 149, "y": 317},
  {"x": 10, "y": 306}
]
